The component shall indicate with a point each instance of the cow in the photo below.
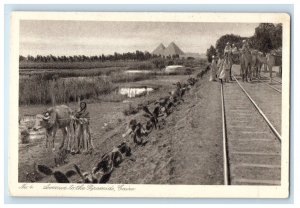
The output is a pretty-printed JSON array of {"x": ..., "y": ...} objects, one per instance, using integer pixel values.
[{"x": 57, "y": 117}]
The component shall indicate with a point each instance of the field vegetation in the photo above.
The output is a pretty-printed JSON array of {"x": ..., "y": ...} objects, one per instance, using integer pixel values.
[{"x": 51, "y": 79}]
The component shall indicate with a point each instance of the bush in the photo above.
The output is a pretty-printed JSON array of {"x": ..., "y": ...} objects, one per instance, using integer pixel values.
[
  {"x": 25, "y": 136},
  {"x": 159, "y": 63},
  {"x": 170, "y": 63},
  {"x": 130, "y": 110}
]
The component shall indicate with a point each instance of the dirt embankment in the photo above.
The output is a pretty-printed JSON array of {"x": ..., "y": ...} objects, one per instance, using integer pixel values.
[{"x": 188, "y": 150}]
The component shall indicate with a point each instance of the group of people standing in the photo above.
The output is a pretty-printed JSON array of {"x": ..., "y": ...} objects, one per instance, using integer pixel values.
[{"x": 221, "y": 64}]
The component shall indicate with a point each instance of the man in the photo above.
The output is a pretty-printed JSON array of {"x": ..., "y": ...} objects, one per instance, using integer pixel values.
[
  {"x": 213, "y": 68},
  {"x": 234, "y": 49},
  {"x": 219, "y": 64},
  {"x": 225, "y": 73},
  {"x": 228, "y": 52},
  {"x": 227, "y": 49},
  {"x": 83, "y": 132},
  {"x": 245, "y": 46}
]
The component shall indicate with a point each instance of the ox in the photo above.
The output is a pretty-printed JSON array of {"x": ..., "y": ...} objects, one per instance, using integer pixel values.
[{"x": 58, "y": 117}]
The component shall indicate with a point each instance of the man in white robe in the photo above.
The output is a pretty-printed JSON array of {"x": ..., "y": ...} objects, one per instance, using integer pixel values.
[
  {"x": 225, "y": 73},
  {"x": 213, "y": 69}
]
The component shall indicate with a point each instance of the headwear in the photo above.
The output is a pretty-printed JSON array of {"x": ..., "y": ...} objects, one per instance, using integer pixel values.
[
  {"x": 227, "y": 43},
  {"x": 213, "y": 57},
  {"x": 233, "y": 44},
  {"x": 244, "y": 41},
  {"x": 82, "y": 113}
]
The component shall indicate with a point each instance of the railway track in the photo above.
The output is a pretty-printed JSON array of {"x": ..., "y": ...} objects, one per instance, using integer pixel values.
[
  {"x": 251, "y": 144},
  {"x": 275, "y": 80},
  {"x": 272, "y": 87}
]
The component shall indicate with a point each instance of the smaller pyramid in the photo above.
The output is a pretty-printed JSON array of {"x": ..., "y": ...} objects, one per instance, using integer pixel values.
[{"x": 159, "y": 50}]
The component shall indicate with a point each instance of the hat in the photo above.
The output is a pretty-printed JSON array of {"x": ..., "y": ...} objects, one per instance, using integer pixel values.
[
  {"x": 233, "y": 44},
  {"x": 213, "y": 56},
  {"x": 227, "y": 43},
  {"x": 244, "y": 41}
]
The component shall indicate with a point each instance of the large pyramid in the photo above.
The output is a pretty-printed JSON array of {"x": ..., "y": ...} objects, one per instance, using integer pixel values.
[
  {"x": 159, "y": 50},
  {"x": 171, "y": 50}
]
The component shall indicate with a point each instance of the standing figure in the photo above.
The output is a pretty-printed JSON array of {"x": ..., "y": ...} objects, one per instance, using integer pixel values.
[
  {"x": 83, "y": 134},
  {"x": 213, "y": 69},
  {"x": 245, "y": 47},
  {"x": 227, "y": 49},
  {"x": 219, "y": 64},
  {"x": 224, "y": 75},
  {"x": 228, "y": 52},
  {"x": 234, "y": 49}
]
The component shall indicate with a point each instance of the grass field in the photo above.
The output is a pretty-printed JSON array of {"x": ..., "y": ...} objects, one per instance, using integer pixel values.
[{"x": 61, "y": 82}]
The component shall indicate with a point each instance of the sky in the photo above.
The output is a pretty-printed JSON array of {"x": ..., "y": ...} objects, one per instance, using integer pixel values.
[{"x": 44, "y": 37}]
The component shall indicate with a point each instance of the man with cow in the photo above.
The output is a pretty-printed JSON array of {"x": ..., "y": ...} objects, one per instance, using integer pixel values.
[{"x": 73, "y": 124}]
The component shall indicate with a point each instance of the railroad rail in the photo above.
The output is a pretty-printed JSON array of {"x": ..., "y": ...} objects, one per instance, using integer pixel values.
[
  {"x": 275, "y": 80},
  {"x": 272, "y": 87},
  {"x": 251, "y": 144}
]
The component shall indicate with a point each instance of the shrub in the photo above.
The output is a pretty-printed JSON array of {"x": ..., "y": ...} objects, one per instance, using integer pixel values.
[
  {"x": 130, "y": 110},
  {"x": 159, "y": 63},
  {"x": 25, "y": 136}
]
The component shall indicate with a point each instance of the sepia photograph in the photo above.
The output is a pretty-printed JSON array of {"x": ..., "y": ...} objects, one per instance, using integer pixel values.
[{"x": 149, "y": 104}]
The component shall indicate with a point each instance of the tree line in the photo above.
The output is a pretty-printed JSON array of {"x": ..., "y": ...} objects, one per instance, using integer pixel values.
[
  {"x": 267, "y": 37},
  {"x": 137, "y": 55}
]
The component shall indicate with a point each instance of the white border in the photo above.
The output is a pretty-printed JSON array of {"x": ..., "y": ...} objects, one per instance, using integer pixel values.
[{"x": 187, "y": 191}]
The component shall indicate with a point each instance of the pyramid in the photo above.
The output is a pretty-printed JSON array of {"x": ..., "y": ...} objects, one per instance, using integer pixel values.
[
  {"x": 173, "y": 49},
  {"x": 159, "y": 50}
]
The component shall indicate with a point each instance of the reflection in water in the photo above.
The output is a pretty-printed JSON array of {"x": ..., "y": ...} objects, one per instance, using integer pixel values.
[
  {"x": 138, "y": 71},
  {"x": 135, "y": 91}
]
